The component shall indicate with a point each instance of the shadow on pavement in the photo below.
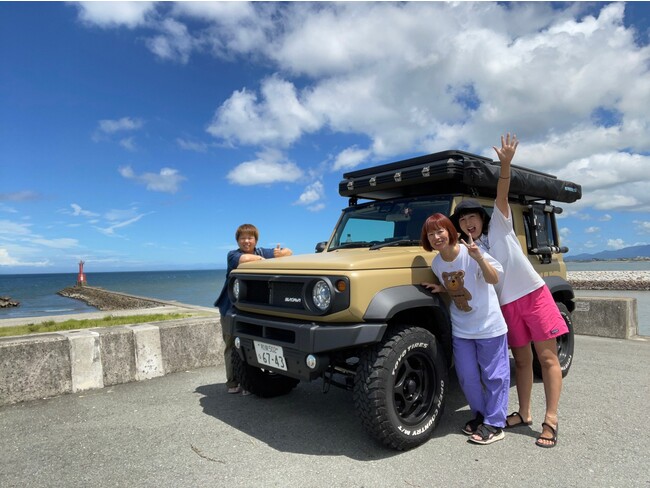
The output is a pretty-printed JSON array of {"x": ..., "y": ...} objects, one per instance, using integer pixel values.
[{"x": 307, "y": 421}]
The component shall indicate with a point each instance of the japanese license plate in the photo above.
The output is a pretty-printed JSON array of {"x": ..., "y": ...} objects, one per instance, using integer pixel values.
[{"x": 270, "y": 355}]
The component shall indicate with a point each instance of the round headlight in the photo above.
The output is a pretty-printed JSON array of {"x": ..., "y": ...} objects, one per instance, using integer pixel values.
[
  {"x": 322, "y": 295},
  {"x": 235, "y": 289}
]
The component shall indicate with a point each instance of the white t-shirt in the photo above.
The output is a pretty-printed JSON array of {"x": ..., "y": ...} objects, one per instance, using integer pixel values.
[
  {"x": 475, "y": 311},
  {"x": 519, "y": 277}
]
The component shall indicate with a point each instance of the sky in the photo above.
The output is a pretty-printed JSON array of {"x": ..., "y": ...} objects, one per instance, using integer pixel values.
[{"x": 138, "y": 136}]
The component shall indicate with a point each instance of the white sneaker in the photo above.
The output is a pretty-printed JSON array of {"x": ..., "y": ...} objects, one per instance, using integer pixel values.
[
  {"x": 245, "y": 392},
  {"x": 233, "y": 390}
]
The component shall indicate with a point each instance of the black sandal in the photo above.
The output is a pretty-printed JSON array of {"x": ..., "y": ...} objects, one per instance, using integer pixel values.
[
  {"x": 551, "y": 440},
  {"x": 521, "y": 423},
  {"x": 488, "y": 434},
  {"x": 471, "y": 426}
]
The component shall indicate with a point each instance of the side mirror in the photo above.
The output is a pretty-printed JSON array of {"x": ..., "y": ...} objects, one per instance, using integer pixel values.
[{"x": 320, "y": 247}]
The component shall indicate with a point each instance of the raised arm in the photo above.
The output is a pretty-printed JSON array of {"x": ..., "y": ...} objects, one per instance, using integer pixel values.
[{"x": 505, "y": 153}]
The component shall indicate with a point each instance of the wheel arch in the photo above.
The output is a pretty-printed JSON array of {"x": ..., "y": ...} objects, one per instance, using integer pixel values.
[
  {"x": 561, "y": 290},
  {"x": 413, "y": 305}
]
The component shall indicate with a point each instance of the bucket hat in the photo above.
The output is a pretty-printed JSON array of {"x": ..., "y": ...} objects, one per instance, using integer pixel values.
[{"x": 469, "y": 206}]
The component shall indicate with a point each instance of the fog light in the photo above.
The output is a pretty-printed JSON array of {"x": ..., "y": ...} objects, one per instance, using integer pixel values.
[
  {"x": 310, "y": 361},
  {"x": 237, "y": 342}
]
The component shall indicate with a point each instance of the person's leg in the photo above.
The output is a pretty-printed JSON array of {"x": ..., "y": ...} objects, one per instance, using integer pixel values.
[
  {"x": 494, "y": 362},
  {"x": 552, "y": 378},
  {"x": 519, "y": 340},
  {"x": 469, "y": 375},
  {"x": 524, "y": 380},
  {"x": 229, "y": 343}
]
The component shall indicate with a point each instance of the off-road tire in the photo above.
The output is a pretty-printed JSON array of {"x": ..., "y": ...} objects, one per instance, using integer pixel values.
[
  {"x": 565, "y": 344},
  {"x": 400, "y": 387},
  {"x": 259, "y": 381}
]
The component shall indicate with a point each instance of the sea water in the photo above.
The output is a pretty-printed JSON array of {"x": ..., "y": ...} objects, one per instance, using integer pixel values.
[{"x": 37, "y": 292}]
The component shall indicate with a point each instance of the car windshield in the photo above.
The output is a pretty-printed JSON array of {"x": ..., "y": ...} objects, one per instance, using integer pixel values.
[{"x": 386, "y": 223}]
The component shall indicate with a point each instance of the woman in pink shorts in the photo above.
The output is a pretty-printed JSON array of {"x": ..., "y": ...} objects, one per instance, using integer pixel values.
[{"x": 526, "y": 302}]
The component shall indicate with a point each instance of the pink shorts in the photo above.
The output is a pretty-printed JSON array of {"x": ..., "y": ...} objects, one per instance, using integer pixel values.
[{"x": 533, "y": 318}]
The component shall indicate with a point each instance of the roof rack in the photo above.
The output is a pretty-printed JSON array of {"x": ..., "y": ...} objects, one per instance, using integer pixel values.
[{"x": 451, "y": 172}]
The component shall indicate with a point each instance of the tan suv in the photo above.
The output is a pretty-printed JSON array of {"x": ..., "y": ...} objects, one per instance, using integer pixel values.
[{"x": 354, "y": 313}]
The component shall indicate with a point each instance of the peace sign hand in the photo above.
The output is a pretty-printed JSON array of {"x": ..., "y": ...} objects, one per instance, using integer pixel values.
[{"x": 472, "y": 248}]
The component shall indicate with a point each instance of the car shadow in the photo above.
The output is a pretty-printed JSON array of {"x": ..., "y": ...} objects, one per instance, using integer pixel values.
[{"x": 308, "y": 421}]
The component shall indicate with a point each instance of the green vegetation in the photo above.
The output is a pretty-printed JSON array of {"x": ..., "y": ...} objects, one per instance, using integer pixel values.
[{"x": 108, "y": 321}]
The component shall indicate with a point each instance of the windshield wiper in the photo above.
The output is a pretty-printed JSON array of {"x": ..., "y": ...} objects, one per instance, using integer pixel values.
[
  {"x": 350, "y": 245},
  {"x": 401, "y": 242}
]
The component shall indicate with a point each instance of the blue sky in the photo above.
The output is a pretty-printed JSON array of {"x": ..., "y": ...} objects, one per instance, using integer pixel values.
[{"x": 138, "y": 136}]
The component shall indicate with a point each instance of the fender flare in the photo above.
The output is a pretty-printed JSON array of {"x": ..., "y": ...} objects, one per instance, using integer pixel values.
[{"x": 390, "y": 301}]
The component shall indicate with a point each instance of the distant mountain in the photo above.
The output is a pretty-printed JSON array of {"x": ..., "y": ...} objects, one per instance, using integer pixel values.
[{"x": 631, "y": 252}]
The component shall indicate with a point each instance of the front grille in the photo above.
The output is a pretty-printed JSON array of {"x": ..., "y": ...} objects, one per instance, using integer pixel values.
[
  {"x": 257, "y": 292},
  {"x": 288, "y": 295}
]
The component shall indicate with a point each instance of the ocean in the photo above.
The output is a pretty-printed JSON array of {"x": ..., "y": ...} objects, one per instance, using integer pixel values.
[{"x": 37, "y": 292}]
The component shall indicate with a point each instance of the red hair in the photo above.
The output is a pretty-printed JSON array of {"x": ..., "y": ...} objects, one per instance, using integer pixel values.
[{"x": 435, "y": 222}]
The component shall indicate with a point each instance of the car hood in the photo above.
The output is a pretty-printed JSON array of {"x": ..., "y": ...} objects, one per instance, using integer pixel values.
[{"x": 345, "y": 260}]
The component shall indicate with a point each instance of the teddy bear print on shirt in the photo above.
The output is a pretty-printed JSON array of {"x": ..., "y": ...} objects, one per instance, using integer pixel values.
[{"x": 455, "y": 286}]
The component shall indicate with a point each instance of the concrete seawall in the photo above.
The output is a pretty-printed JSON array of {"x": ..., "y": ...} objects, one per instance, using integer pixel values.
[{"x": 44, "y": 365}]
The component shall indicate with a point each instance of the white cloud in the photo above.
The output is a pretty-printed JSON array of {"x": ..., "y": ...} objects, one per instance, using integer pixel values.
[
  {"x": 605, "y": 218},
  {"x": 350, "y": 158},
  {"x": 77, "y": 211},
  {"x": 124, "y": 124},
  {"x": 12, "y": 229},
  {"x": 616, "y": 244},
  {"x": 128, "y": 143},
  {"x": 200, "y": 147},
  {"x": 61, "y": 243},
  {"x": 175, "y": 43},
  {"x": 269, "y": 167},
  {"x": 312, "y": 195},
  {"x": 114, "y": 14},
  {"x": 167, "y": 181},
  {"x": 19, "y": 196},
  {"x": 415, "y": 85},
  {"x": 7, "y": 260},
  {"x": 280, "y": 118},
  {"x": 642, "y": 226},
  {"x": 110, "y": 230},
  {"x": 592, "y": 230},
  {"x": 23, "y": 245}
]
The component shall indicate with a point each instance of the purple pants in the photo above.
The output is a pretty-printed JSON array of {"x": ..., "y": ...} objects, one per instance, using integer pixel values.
[{"x": 483, "y": 370}]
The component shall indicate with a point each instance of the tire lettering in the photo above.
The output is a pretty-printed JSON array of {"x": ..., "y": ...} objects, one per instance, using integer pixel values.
[{"x": 423, "y": 345}]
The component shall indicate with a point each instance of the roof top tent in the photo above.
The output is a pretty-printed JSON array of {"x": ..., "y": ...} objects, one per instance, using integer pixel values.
[{"x": 451, "y": 172}]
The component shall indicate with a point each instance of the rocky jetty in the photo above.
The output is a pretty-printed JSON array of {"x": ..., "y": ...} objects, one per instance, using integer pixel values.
[
  {"x": 609, "y": 280},
  {"x": 6, "y": 302},
  {"x": 108, "y": 300}
]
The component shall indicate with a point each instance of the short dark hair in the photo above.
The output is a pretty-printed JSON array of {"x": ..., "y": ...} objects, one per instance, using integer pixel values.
[
  {"x": 435, "y": 222},
  {"x": 247, "y": 229}
]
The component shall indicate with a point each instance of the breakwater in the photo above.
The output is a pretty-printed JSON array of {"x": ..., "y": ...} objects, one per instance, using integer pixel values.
[
  {"x": 609, "y": 280},
  {"x": 108, "y": 300}
]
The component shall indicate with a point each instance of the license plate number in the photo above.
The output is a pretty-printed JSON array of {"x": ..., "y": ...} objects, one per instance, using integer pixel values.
[{"x": 270, "y": 355}]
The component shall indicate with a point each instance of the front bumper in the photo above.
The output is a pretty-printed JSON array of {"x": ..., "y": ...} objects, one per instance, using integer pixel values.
[{"x": 297, "y": 339}]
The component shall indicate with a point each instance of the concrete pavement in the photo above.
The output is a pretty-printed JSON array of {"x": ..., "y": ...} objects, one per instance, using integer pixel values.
[{"x": 183, "y": 430}]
